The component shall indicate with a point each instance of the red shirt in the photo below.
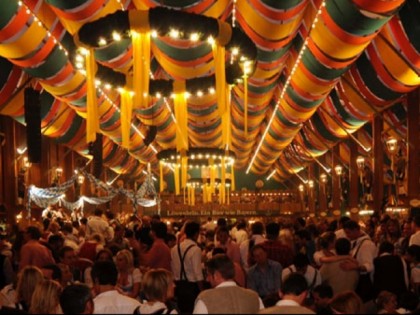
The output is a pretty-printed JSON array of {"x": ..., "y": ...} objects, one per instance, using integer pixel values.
[{"x": 279, "y": 252}]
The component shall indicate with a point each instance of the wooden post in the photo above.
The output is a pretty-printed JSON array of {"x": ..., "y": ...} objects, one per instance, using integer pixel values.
[
  {"x": 378, "y": 162},
  {"x": 336, "y": 189},
  {"x": 413, "y": 169},
  {"x": 353, "y": 175}
]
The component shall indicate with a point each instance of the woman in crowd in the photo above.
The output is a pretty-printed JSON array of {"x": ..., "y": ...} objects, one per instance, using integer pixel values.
[
  {"x": 347, "y": 303},
  {"x": 386, "y": 303},
  {"x": 158, "y": 288},
  {"x": 46, "y": 298},
  {"x": 29, "y": 277},
  {"x": 129, "y": 277}
]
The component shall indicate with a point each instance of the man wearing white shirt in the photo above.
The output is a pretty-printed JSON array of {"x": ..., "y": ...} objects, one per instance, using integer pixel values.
[
  {"x": 293, "y": 294},
  {"x": 364, "y": 251},
  {"x": 226, "y": 296},
  {"x": 96, "y": 224},
  {"x": 186, "y": 267},
  {"x": 415, "y": 238},
  {"x": 108, "y": 300},
  {"x": 257, "y": 231}
]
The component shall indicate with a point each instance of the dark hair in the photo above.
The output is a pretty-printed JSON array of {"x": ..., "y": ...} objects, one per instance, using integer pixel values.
[
  {"x": 257, "y": 228},
  {"x": 303, "y": 234},
  {"x": 241, "y": 224},
  {"x": 98, "y": 212},
  {"x": 386, "y": 247},
  {"x": 33, "y": 232},
  {"x": 223, "y": 264},
  {"x": 104, "y": 272},
  {"x": 409, "y": 300},
  {"x": 156, "y": 217},
  {"x": 294, "y": 284},
  {"x": 324, "y": 291},
  {"x": 56, "y": 271},
  {"x": 64, "y": 250},
  {"x": 221, "y": 222},
  {"x": 343, "y": 220},
  {"x": 301, "y": 261},
  {"x": 160, "y": 229},
  {"x": 218, "y": 250},
  {"x": 192, "y": 228},
  {"x": 351, "y": 225},
  {"x": 258, "y": 246},
  {"x": 416, "y": 220},
  {"x": 342, "y": 246},
  {"x": 326, "y": 239},
  {"x": 170, "y": 237},
  {"x": 272, "y": 229},
  {"x": 74, "y": 298},
  {"x": 222, "y": 229},
  {"x": 414, "y": 250}
]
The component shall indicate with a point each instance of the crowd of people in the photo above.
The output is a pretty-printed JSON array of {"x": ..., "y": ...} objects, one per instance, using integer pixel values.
[{"x": 106, "y": 265}]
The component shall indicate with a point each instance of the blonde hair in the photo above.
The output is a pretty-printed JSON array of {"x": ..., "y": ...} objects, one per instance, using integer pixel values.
[
  {"x": 46, "y": 298},
  {"x": 128, "y": 256},
  {"x": 156, "y": 283},
  {"x": 383, "y": 298},
  {"x": 347, "y": 302},
  {"x": 28, "y": 278}
]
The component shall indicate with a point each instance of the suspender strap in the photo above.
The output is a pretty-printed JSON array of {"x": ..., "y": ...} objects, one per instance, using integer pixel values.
[
  {"x": 183, "y": 275},
  {"x": 314, "y": 280},
  {"x": 358, "y": 248}
]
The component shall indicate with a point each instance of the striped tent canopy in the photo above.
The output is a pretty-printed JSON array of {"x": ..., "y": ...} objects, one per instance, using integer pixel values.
[{"x": 322, "y": 70}]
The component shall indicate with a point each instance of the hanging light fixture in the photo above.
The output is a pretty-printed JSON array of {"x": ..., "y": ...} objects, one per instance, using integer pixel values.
[
  {"x": 338, "y": 170},
  {"x": 391, "y": 145},
  {"x": 360, "y": 162}
]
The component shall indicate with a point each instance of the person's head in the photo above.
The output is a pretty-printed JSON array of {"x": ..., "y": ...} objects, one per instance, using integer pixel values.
[
  {"x": 98, "y": 212},
  {"x": 343, "y": 221},
  {"x": 159, "y": 230},
  {"x": 222, "y": 235},
  {"x": 221, "y": 222},
  {"x": 66, "y": 274},
  {"x": 158, "y": 285},
  {"x": 386, "y": 247},
  {"x": 407, "y": 230},
  {"x": 68, "y": 256},
  {"x": 295, "y": 287},
  {"x": 416, "y": 223},
  {"x": 77, "y": 299},
  {"x": 409, "y": 300},
  {"x": 192, "y": 230},
  {"x": 302, "y": 237},
  {"x": 347, "y": 302},
  {"x": 46, "y": 298},
  {"x": 322, "y": 295},
  {"x": 342, "y": 246},
  {"x": 124, "y": 260},
  {"x": 104, "y": 273},
  {"x": 32, "y": 233},
  {"x": 272, "y": 230},
  {"x": 53, "y": 272},
  {"x": 28, "y": 278},
  {"x": 170, "y": 240},
  {"x": 301, "y": 263},
  {"x": 259, "y": 253},
  {"x": 104, "y": 254},
  {"x": 387, "y": 301},
  {"x": 393, "y": 228},
  {"x": 219, "y": 268},
  {"x": 241, "y": 225},
  {"x": 352, "y": 230},
  {"x": 257, "y": 228},
  {"x": 327, "y": 240},
  {"x": 413, "y": 253}
]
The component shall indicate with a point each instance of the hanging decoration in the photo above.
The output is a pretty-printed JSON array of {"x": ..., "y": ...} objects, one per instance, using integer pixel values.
[{"x": 145, "y": 196}]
